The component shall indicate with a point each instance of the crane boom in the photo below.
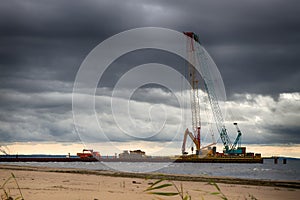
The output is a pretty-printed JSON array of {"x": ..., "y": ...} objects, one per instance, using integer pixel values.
[
  {"x": 218, "y": 117},
  {"x": 209, "y": 86},
  {"x": 194, "y": 139},
  {"x": 238, "y": 138}
]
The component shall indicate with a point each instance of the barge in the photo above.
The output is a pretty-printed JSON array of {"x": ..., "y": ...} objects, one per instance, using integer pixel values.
[{"x": 25, "y": 158}]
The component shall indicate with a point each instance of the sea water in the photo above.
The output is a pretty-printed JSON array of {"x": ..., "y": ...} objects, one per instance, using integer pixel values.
[{"x": 267, "y": 171}]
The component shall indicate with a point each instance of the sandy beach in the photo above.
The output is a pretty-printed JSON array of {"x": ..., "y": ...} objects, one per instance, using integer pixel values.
[{"x": 44, "y": 183}]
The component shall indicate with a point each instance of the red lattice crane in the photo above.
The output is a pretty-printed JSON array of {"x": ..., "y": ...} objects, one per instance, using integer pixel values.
[{"x": 194, "y": 94}]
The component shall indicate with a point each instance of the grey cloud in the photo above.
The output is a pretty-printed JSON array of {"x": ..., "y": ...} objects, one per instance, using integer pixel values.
[
  {"x": 41, "y": 117},
  {"x": 39, "y": 125},
  {"x": 267, "y": 119}
]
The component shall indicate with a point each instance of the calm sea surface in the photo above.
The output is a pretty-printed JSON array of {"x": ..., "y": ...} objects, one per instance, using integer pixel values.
[{"x": 268, "y": 170}]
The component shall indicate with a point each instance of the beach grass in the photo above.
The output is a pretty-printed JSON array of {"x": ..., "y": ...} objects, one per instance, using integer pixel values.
[
  {"x": 6, "y": 195},
  {"x": 156, "y": 187}
]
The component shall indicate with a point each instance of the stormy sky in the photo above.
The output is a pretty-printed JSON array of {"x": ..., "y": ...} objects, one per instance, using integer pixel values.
[{"x": 255, "y": 44}]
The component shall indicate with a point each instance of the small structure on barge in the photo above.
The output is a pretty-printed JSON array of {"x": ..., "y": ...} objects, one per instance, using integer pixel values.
[{"x": 135, "y": 154}]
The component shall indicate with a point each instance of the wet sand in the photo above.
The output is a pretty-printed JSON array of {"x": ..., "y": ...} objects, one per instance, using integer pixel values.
[{"x": 53, "y": 183}]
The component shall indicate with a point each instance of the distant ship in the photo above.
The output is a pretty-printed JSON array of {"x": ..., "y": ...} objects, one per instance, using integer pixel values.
[{"x": 89, "y": 153}]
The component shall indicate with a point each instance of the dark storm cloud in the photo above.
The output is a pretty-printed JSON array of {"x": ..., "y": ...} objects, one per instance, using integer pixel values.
[
  {"x": 284, "y": 134},
  {"x": 255, "y": 44}
]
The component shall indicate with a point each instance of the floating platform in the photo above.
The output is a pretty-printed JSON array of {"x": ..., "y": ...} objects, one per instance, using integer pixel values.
[{"x": 220, "y": 160}]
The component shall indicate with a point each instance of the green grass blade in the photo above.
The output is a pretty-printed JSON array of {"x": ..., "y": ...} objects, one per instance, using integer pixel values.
[
  {"x": 181, "y": 188},
  {"x": 3, "y": 187},
  {"x": 215, "y": 193},
  {"x": 179, "y": 192},
  {"x": 6, "y": 182},
  {"x": 12, "y": 174},
  {"x": 5, "y": 193},
  {"x": 165, "y": 193},
  {"x": 216, "y": 186},
  {"x": 156, "y": 182},
  {"x": 159, "y": 187}
]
